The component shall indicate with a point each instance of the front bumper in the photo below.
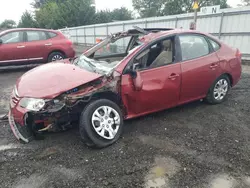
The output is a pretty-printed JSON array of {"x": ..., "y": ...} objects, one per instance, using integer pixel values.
[
  {"x": 27, "y": 126},
  {"x": 21, "y": 132}
]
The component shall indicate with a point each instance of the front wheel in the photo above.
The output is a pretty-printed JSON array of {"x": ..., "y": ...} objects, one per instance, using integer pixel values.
[
  {"x": 219, "y": 90},
  {"x": 101, "y": 122}
]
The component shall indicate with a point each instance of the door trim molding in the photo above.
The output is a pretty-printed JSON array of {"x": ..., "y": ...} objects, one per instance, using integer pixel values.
[{"x": 16, "y": 60}]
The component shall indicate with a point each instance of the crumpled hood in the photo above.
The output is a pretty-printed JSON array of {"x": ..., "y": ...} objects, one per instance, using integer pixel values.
[{"x": 52, "y": 79}]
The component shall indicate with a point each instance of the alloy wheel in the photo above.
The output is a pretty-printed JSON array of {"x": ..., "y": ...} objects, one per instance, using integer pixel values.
[
  {"x": 106, "y": 122},
  {"x": 220, "y": 89},
  {"x": 57, "y": 57}
]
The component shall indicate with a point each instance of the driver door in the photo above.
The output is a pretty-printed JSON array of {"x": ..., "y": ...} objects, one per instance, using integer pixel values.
[{"x": 161, "y": 83}]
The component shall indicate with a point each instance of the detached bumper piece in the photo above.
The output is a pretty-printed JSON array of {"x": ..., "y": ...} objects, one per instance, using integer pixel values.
[{"x": 22, "y": 133}]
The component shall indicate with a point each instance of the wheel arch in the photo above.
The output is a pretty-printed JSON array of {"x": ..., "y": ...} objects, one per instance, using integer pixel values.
[
  {"x": 112, "y": 96},
  {"x": 57, "y": 50},
  {"x": 230, "y": 78}
]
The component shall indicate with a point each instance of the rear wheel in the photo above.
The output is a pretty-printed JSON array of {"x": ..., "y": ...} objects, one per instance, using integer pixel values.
[
  {"x": 101, "y": 123},
  {"x": 219, "y": 90},
  {"x": 55, "y": 56}
]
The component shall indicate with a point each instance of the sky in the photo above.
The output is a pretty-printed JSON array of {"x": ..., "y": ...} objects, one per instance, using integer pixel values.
[{"x": 13, "y": 9}]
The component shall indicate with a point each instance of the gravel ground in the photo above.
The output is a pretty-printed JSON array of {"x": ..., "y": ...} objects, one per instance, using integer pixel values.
[{"x": 191, "y": 146}]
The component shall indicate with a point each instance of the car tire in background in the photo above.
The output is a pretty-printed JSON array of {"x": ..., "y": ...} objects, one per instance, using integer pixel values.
[
  {"x": 101, "y": 123},
  {"x": 56, "y": 56},
  {"x": 219, "y": 90}
]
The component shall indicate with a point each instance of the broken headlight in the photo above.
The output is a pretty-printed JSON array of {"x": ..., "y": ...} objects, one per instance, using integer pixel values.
[
  {"x": 54, "y": 105},
  {"x": 32, "y": 104}
]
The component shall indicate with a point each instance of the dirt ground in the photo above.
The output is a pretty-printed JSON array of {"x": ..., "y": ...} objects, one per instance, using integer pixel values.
[{"x": 192, "y": 146}]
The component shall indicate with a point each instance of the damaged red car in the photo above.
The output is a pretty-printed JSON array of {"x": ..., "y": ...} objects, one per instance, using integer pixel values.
[{"x": 126, "y": 75}]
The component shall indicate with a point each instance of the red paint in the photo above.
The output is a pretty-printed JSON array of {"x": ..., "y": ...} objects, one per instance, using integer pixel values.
[
  {"x": 160, "y": 90},
  {"x": 197, "y": 77},
  {"x": 11, "y": 53},
  {"x": 50, "y": 80},
  {"x": 157, "y": 89}
]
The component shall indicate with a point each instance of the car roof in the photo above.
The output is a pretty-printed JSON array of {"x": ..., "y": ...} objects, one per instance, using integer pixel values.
[
  {"x": 27, "y": 29},
  {"x": 152, "y": 36}
]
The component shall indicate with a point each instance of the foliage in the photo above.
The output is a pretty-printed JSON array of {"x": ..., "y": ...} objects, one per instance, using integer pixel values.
[
  {"x": 121, "y": 14},
  {"x": 245, "y": 3},
  {"x": 55, "y": 14},
  {"x": 106, "y": 16},
  {"x": 27, "y": 21},
  {"x": 8, "y": 24},
  {"x": 149, "y": 8}
]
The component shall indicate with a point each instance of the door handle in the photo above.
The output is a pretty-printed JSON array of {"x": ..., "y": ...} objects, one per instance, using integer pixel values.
[
  {"x": 213, "y": 66},
  {"x": 49, "y": 44},
  {"x": 173, "y": 76},
  {"x": 20, "y": 46}
]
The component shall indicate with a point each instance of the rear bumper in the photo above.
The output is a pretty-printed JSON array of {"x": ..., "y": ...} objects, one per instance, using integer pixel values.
[{"x": 70, "y": 53}]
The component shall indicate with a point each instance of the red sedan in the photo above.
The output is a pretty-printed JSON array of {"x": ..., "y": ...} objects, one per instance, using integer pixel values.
[
  {"x": 129, "y": 74},
  {"x": 32, "y": 46}
]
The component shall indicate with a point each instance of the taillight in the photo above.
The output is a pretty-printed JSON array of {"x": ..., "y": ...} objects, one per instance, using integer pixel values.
[
  {"x": 69, "y": 42},
  {"x": 238, "y": 54}
]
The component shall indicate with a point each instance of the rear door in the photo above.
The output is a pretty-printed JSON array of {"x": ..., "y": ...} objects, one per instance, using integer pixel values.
[
  {"x": 200, "y": 66},
  {"x": 13, "y": 48},
  {"x": 36, "y": 45}
]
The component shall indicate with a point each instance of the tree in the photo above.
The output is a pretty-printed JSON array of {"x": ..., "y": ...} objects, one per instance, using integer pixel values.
[
  {"x": 119, "y": 14},
  {"x": 245, "y": 3},
  {"x": 103, "y": 16},
  {"x": 27, "y": 21},
  {"x": 8, "y": 24},
  {"x": 39, "y": 3},
  {"x": 149, "y": 8},
  {"x": 55, "y": 14}
]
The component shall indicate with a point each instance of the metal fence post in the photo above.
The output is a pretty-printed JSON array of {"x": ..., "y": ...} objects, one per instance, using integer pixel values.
[
  {"x": 123, "y": 26},
  {"x": 107, "y": 29},
  {"x": 176, "y": 22},
  {"x": 76, "y": 37},
  {"x": 146, "y": 23},
  {"x": 85, "y": 39},
  {"x": 94, "y": 35},
  {"x": 221, "y": 24}
]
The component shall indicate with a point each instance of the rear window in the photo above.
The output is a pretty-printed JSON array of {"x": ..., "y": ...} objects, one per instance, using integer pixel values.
[
  {"x": 51, "y": 34},
  {"x": 215, "y": 45},
  {"x": 35, "y": 35}
]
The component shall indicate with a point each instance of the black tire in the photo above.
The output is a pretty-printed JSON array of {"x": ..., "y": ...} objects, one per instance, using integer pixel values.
[
  {"x": 211, "y": 97},
  {"x": 87, "y": 131},
  {"x": 55, "y": 55},
  {"x": 85, "y": 138}
]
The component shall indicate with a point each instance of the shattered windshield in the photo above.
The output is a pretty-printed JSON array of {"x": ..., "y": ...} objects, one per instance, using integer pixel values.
[
  {"x": 106, "y": 55},
  {"x": 91, "y": 65}
]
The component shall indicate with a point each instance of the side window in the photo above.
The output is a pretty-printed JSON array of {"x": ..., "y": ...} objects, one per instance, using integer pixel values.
[
  {"x": 193, "y": 46},
  {"x": 157, "y": 55},
  {"x": 35, "y": 36},
  {"x": 51, "y": 34},
  {"x": 215, "y": 45},
  {"x": 118, "y": 47},
  {"x": 12, "y": 37}
]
